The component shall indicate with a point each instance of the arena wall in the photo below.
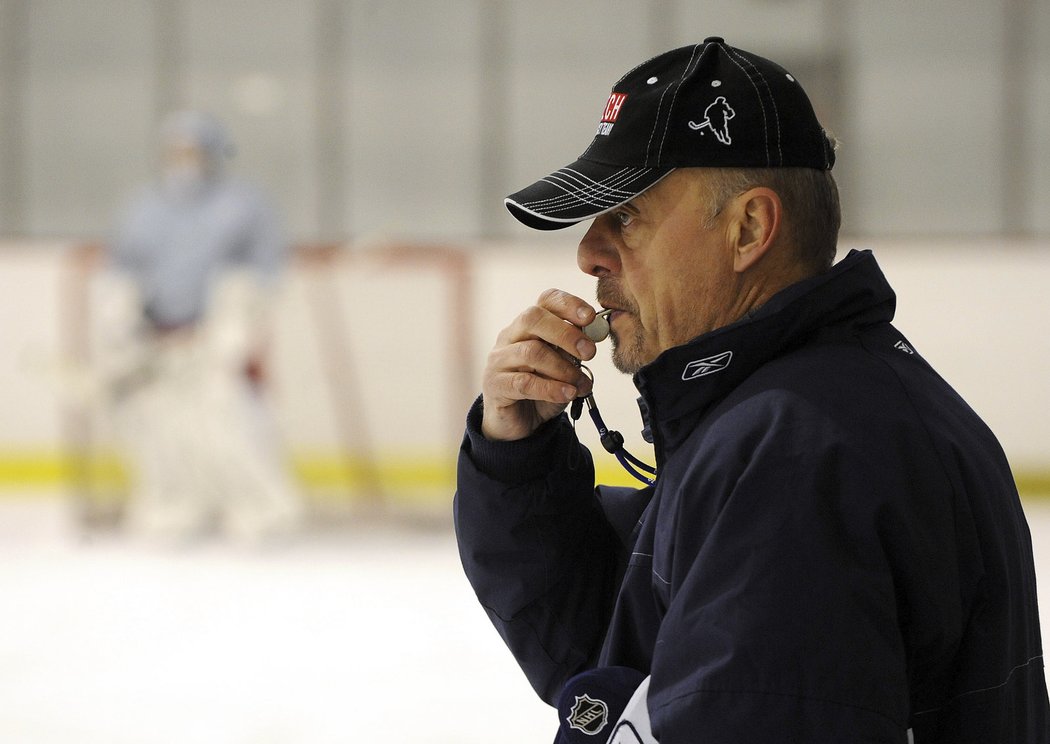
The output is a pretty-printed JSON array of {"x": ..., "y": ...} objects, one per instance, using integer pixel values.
[{"x": 377, "y": 352}]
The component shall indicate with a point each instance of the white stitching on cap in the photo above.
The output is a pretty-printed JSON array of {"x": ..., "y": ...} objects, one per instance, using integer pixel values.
[
  {"x": 656, "y": 119},
  {"x": 761, "y": 105},
  {"x": 773, "y": 101},
  {"x": 637, "y": 67},
  {"x": 596, "y": 193},
  {"x": 614, "y": 86},
  {"x": 599, "y": 197},
  {"x": 776, "y": 114},
  {"x": 736, "y": 59},
  {"x": 667, "y": 124},
  {"x": 572, "y": 219},
  {"x": 574, "y": 183}
]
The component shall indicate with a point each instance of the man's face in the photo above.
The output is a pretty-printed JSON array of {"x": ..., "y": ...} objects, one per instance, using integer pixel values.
[{"x": 665, "y": 265}]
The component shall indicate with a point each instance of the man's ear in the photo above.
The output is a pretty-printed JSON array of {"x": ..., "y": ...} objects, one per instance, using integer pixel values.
[{"x": 760, "y": 213}]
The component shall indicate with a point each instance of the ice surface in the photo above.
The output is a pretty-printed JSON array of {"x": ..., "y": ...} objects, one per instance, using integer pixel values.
[
  {"x": 362, "y": 635},
  {"x": 365, "y": 634}
]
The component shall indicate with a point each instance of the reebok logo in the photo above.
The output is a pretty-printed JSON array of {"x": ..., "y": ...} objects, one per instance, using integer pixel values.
[{"x": 708, "y": 366}]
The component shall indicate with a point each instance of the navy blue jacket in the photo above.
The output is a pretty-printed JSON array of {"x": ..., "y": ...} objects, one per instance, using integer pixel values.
[{"x": 834, "y": 551}]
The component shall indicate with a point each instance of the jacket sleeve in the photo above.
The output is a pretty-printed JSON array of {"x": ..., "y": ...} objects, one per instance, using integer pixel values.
[{"x": 536, "y": 547}]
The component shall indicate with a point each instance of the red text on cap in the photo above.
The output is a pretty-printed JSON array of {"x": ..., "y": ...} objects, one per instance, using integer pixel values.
[{"x": 612, "y": 107}]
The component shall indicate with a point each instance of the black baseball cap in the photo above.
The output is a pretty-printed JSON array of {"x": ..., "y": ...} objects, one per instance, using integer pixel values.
[{"x": 706, "y": 105}]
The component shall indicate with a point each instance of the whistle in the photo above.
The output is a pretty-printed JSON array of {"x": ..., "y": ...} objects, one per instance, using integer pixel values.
[{"x": 598, "y": 329}]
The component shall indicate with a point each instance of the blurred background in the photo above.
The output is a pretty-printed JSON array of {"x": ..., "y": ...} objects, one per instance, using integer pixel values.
[
  {"x": 386, "y": 134},
  {"x": 414, "y": 118}
]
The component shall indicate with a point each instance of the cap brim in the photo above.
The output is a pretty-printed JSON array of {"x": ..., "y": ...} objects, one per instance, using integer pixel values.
[{"x": 579, "y": 191}]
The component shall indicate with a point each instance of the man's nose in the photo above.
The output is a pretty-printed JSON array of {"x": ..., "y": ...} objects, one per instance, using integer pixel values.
[{"x": 597, "y": 253}]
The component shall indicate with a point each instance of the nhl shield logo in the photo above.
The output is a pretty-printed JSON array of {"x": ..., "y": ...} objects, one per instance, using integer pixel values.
[{"x": 588, "y": 715}]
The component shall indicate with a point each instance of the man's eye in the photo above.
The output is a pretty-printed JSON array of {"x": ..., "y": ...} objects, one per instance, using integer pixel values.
[{"x": 624, "y": 218}]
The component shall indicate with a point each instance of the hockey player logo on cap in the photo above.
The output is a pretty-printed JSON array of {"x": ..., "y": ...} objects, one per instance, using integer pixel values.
[{"x": 716, "y": 118}]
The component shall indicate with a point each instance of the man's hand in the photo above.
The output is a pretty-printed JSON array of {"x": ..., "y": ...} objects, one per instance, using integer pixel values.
[{"x": 531, "y": 374}]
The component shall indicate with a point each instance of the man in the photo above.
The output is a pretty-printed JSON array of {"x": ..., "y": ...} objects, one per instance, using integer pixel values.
[
  {"x": 199, "y": 254},
  {"x": 834, "y": 549}
]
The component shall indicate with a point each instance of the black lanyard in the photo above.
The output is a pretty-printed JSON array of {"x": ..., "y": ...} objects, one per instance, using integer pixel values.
[{"x": 612, "y": 441}]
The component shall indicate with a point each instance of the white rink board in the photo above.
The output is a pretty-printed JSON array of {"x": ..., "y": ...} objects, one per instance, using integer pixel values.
[{"x": 976, "y": 310}]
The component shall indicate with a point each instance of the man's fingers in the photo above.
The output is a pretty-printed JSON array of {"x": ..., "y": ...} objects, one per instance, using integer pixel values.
[
  {"x": 566, "y": 306},
  {"x": 540, "y": 323},
  {"x": 532, "y": 370},
  {"x": 528, "y": 386}
]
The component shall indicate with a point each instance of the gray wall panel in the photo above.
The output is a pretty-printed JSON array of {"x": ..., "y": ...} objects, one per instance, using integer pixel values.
[
  {"x": 928, "y": 145},
  {"x": 88, "y": 112},
  {"x": 413, "y": 119},
  {"x": 1037, "y": 125},
  {"x": 251, "y": 62},
  {"x": 413, "y": 112}
]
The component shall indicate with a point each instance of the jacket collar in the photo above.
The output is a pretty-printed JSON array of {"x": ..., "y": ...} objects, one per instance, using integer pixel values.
[{"x": 685, "y": 381}]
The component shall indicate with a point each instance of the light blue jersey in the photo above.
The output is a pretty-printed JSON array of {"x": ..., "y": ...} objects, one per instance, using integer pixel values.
[{"x": 177, "y": 239}]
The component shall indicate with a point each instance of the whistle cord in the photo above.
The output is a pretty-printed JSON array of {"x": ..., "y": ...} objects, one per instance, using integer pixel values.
[{"x": 612, "y": 441}]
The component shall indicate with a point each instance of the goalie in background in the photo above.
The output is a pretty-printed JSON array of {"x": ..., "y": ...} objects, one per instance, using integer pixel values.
[{"x": 190, "y": 275}]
